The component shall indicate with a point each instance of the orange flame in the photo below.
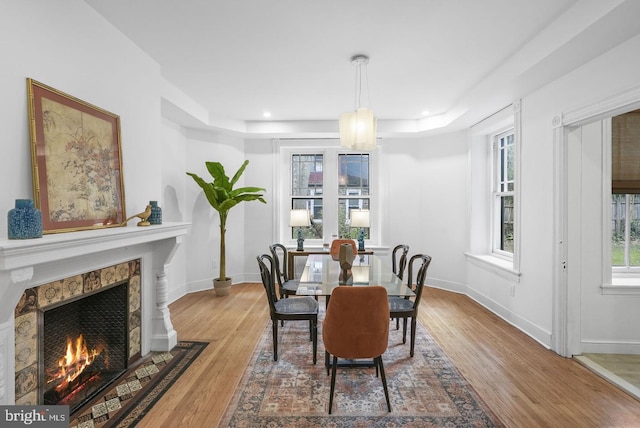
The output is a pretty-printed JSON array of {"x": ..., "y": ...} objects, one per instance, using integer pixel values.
[{"x": 75, "y": 360}]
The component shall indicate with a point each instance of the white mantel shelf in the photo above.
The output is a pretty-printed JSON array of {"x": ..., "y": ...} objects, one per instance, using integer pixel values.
[
  {"x": 18, "y": 253},
  {"x": 33, "y": 262}
]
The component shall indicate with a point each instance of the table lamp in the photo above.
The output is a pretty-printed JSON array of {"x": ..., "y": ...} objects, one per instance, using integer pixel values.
[
  {"x": 300, "y": 219},
  {"x": 360, "y": 218}
]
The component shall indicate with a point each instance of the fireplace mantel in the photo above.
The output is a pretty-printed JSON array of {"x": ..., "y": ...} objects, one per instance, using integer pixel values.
[{"x": 33, "y": 262}]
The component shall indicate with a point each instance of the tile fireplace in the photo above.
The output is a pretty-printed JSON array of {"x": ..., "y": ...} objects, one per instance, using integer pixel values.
[{"x": 65, "y": 299}]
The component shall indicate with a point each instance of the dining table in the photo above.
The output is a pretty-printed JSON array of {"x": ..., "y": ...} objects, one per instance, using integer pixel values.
[{"x": 322, "y": 274}]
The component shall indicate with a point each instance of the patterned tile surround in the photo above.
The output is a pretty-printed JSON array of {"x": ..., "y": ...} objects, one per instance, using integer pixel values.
[{"x": 39, "y": 298}]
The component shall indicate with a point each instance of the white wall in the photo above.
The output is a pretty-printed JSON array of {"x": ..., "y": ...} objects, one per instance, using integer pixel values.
[
  {"x": 104, "y": 69},
  {"x": 426, "y": 206},
  {"x": 65, "y": 44},
  {"x": 529, "y": 304}
]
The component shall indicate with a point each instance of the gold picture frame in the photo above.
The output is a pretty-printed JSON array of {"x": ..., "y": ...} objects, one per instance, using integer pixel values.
[{"x": 76, "y": 159}]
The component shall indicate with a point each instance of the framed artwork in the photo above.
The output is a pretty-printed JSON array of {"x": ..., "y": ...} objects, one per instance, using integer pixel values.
[{"x": 76, "y": 160}]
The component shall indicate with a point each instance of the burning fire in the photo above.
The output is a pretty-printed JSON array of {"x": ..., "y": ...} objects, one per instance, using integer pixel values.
[{"x": 74, "y": 362}]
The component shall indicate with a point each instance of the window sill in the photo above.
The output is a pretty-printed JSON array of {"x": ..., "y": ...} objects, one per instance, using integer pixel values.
[
  {"x": 622, "y": 286},
  {"x": 501, "y": 267}
]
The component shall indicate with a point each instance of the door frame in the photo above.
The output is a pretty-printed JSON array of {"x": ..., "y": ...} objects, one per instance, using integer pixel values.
[{"x": 565, "y": 337}]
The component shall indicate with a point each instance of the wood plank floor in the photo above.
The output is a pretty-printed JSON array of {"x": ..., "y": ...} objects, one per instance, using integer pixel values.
[{"x": 525, "y": 384}]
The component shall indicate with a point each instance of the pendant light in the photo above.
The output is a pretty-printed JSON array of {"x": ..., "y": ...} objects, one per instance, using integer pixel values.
[{"x": 358, "y": 128}]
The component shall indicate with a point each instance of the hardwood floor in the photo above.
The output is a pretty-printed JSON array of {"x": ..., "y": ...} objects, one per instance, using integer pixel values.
[{"x": 523, "y": 383}]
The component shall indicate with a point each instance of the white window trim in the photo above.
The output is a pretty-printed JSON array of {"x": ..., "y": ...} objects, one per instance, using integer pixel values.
[
  {"x": 481, "y": 241},
  {"x": 330, "y": 148}
]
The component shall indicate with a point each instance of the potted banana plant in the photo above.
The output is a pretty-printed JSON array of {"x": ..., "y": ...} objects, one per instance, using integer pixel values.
[{"x": 222, "y": 197}]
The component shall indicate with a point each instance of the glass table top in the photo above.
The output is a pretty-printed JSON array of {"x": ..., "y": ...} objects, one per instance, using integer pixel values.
[{"x": 322, "y": 274}]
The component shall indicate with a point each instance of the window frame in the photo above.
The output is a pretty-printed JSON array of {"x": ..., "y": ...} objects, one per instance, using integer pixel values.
[
  {"x": 500, "y": 170},
  {"x": 481, "y": 198},
  {"x": 330, "y": 149}
]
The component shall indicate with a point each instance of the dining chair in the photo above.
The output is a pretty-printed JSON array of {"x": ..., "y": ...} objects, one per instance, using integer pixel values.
[
  {"x": 399, "y": 259},
  {"x": 399, "y": 264},
  {"x": 400, "y": 307},
  {"x": 286, "y": 286},
  {"x": 334, "y": 250},
  {"x": 298, "y": 309},
  {"x": 356, "y": 325}
]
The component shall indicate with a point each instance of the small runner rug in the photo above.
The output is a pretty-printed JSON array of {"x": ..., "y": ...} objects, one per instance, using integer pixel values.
[
  {"x": 425, "y": 391},
  {"x": 129, "y": 399}
]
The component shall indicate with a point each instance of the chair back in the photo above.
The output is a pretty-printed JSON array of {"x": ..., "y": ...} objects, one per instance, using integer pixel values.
[
  {"x": 421, "y": 275},
  {"x": 399, "y": 265},
  {"x": 279, "y": 255},
  {"x": 356, "y": 324},
  {"x": 334, "y": 250},
  {"x": 266, "y": 265}
]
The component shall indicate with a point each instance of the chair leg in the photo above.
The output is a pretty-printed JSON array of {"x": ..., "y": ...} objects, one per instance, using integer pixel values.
[
  {"x": 315, "y": 340},
  {"x": 404, "y": 330},
  {"x": 413, "y": 334},
  {"x": 397, "y": 323},
  {"x": 310, "y": 330},
  {"x": 384, "y": 380},
  {"x": 334, "y": 367},
  {"x": 275, "y": 340}
]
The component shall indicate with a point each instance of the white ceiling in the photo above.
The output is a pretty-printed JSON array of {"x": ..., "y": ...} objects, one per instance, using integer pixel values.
[{"x": 461, "y": 60}]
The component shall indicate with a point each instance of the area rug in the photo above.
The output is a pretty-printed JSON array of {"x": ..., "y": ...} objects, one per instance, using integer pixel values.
[
  {"x": 425, "y": 391},
  {"x": 131, "y": 397}
]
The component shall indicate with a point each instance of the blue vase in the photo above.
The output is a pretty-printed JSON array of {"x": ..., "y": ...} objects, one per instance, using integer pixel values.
[
  {"x": 156, "y": 213},
  {"x": 24, "y": 221}
]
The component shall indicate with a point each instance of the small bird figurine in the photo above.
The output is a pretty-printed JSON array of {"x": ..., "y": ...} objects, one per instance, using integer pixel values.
[{"x": 143, "y": 216}]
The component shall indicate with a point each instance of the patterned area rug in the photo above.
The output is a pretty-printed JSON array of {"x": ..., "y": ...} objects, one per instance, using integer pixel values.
[
  {"x": 426, "y": 390},
  {"x": 128, "y": 399}
]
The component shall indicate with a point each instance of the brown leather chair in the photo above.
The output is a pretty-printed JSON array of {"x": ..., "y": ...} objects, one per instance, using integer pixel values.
[
  {"x": 334, "y": 250},
  {"x": 298, "y": 309},
  {"x": 356, "y": 326}
]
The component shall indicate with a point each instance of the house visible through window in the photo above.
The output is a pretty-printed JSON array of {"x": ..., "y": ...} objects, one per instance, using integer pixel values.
[
  {"x": 307, "y": 190},
  {"x": 328, "y": 182},
  {"x": 353, "y": 191}
]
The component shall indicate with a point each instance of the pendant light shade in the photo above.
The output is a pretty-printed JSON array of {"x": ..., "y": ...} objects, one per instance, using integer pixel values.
[{"x": 358, "y": 128}]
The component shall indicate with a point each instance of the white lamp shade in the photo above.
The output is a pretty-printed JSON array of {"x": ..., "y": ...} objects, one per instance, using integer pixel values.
[
  {"x": 299, "y": 218},
  {"x": 358, "y": 129},
  {"x": 360, "y": 218},
  {"x": 360, "y": 274}
]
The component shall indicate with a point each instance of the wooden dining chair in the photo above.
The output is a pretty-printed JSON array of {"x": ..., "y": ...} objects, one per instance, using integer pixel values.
[
  {"x": 286, "y": 286},
  {"x": 298, "y": 309},
  {"x": 399, "y": 259},
  {"x": 399, "y": 265},
  {"x": 356, "y": 326},
  {"x": 405, "y": 308},
  {"x": 334, "y": 250}
]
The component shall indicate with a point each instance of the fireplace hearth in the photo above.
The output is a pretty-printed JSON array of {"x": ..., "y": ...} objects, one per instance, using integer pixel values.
[
  {"x": 85, "y": 332},
  {"x": 84, "y": 346}
]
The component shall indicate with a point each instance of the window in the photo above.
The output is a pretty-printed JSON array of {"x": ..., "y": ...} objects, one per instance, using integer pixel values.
[
  {"x": 494, "y": 203},
  {"x": 307, "y": 190},
  {"x": 353, "y": 191},
  {"x": 504, "y": 187},
  {"x": 625, "y": 230},
  {"x": 625, "y": 188},
  {"x": 329, "y": 181}
]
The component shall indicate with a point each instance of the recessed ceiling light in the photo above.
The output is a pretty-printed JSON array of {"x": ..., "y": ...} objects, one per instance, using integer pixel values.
[
  {"x": 266, "y": 114},
  {"x": 425, "y": 112}
]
